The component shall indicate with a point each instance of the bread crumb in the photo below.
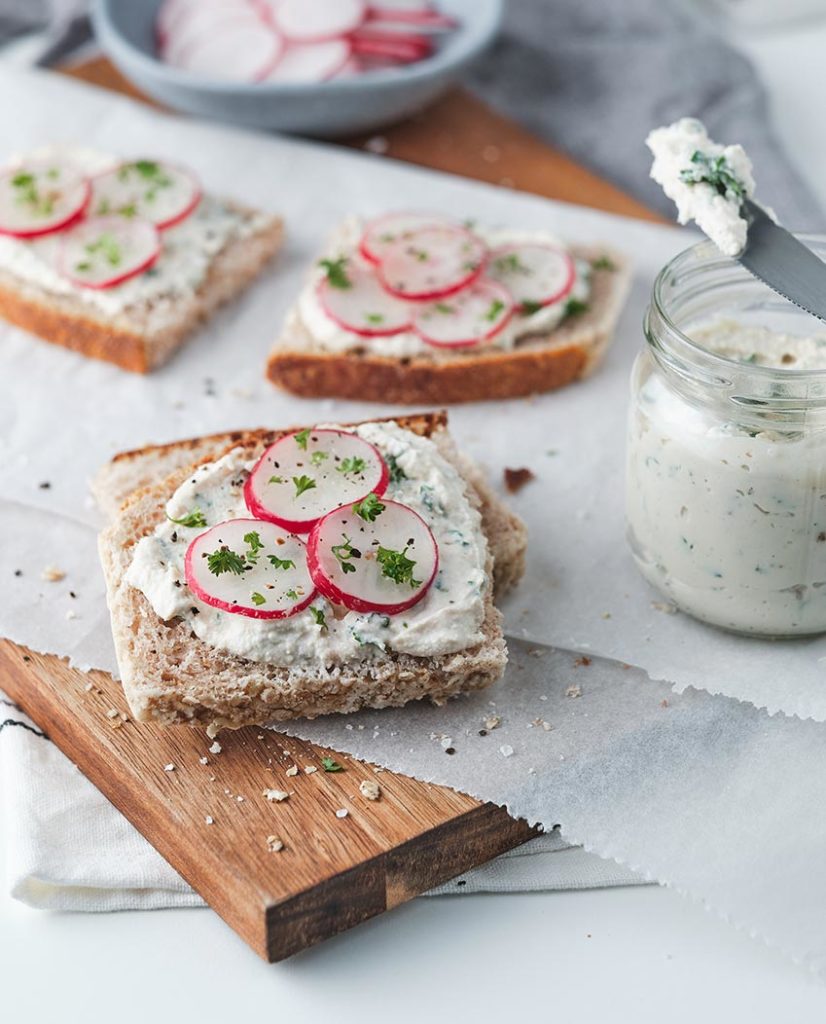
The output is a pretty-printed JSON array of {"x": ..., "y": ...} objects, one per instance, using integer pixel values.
[
  {"x": 88, "y": 687},
  {"x": 274, "y": 844},
  {"x": 112, "y": 713},
  {"x": 277, "y": 795},
  {"x": 216, "y": 748},
  {"x": 492, "y": 722},
  {"x": 377, "y": 144},
  {"x": 71, "y": 614},
  {"x": 203, "y": 760},
  {"x": 506, "y": 750},
  {"x": 582, "y": 662},
  {"x": 370, "y": 789},
  {"x": 342, "y": 812},
  {"x": 292, "y": 771},
  {"x": 209, "y": 820},
  {"x": 573, "y": 691},
  {"x": 310, "y": 769},
  {"x": 516, "y": 479},
  {"x": 666, "y": 607},
  {"x": 51, "y": 574},
  {"x": 169, "y": 767}
]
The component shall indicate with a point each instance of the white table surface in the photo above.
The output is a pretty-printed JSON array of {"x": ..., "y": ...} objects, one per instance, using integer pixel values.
[{"x": 618, "y": 955}]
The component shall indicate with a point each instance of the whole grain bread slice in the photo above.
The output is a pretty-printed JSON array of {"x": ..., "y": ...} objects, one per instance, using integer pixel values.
[
  {"x": 131, "y": 339},
  {"x": 536, "y": 364},
  {"x": 171, "y": 676}
]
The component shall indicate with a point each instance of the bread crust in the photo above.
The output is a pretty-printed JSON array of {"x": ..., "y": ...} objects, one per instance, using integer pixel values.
[
  {"x": 67, "y": 321},
  {"x": 171, "y": 676},
  {"x": 537, "y": 364}
]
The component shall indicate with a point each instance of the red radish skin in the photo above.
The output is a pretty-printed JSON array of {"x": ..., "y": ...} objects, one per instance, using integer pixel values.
[
  {"x": 533, "y": 272},
  {"x": 136, "y": 241},
  {"x": 108, "y": 188},
  {"x": 358, "y": 308},
  {"x": 383, "y": 231},
  {"x": 263, "y": 579},
  {"x": 471, "y": 317},
  {"x": 68, "y": 207},
  {"x": 285, "y": 459},
  {"x": 432, "y": 263},
  {"x": 345, "y": 523},
  {"x": 406, "y": 49}
]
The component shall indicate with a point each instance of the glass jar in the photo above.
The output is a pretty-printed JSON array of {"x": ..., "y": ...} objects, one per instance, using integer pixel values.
[{"x": 726, "y": 473}]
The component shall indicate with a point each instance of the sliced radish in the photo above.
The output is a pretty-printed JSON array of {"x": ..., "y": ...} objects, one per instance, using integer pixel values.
[
  {"x": 385, "y": 231},
  {"x": 104, "y": 251},
  {"x": 363, "y": 306},
  {"x": 431, "y": 262},
  {"x": 534, "y": 273},
  {"x": 40, "y": 197},
  {"x": 384, "y": 565},
  {"x": 476, "y": 314},
  {"x": 403, "y": 48},
  {"x": 156, "y": 191},
  {"x": 197, "y": 23},
  {"x": 311, "y": 62},
  {"x": 304, "y": 476},
  {"x": 250, "y": 568},
  {"x": 315, "y": 20},
  {"x": 245, "y": 50}
]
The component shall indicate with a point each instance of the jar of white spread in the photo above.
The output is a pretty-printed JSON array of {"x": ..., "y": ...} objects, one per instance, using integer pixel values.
[{"x": 726, "y": 475}]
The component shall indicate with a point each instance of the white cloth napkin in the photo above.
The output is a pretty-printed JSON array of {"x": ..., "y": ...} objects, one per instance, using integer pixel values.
[{"x": 68, "y": 848}]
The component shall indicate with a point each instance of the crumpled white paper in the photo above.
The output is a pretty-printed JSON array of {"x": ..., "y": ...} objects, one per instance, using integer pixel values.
[{"x": 710, "y": 795}]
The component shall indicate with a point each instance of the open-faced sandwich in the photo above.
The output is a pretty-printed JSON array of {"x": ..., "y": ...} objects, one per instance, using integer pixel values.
[
  {"x": 121, "y": 260},
  {"x": 262, "y": 576},
  {"x": 417, "y": 308}
]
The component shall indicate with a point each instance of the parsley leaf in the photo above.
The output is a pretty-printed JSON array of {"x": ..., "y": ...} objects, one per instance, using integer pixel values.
[
  {"x": 255, "y": 544},
  {"x": 302, "y": 437},
  {"x": 318, "y": 457},
  {"x": 224, "y": 559},
  {"x": 336, "y": 271},
  {"x": 280, "y": 563},
  {"x": 351, "y": 465},
  {"x": 573, "y": 307},
  {"x": 494, "y": 310},
  {"x": 714, "y": 171},
  {"x": 302, "y": 484},
  {"x": 194, "y": 519},
  {"x": 369, "y": 508},
  {"x": 395, "y": 565},
  {"x": 292, "y": 595},
  {"x": 396, "y": 471},
  {"x": 329, "y": 764},
  {"x": 258, "y": 599},
  {"x": 527, "y": 307},
  {"x": 318, "y": 615},
  {"x": 604, "y": 263},
  {"x": 344, "y": 553},
  {"x": 276, "y": 480}
]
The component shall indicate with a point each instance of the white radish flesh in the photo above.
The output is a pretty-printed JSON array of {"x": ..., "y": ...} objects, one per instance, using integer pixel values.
[
  {"x": 386, "y": 564},
  {"x": 102, "y": 252},
  {"x": 38, "y": 198},
  {"x": 311, "y": 62},
  {"x": 242, "y": 51},
  {"x": 362, "y": 305},
  {"x": 387, "y": 230},
  {"x": 472, "y": 316},
  {"x": 158, "y": 192},
  {"x": 432, "y": 262},
  {"x": 199, "y": 24},
  {"x": 534, "y": 273},
  {"x": 304, "y": 476},
  {"x": 246, "y": 567},
  {"x": 315, "y": 20}
]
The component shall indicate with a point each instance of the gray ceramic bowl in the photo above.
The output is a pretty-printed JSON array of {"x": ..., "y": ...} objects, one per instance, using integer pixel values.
[{"x": 341, "y": 107}]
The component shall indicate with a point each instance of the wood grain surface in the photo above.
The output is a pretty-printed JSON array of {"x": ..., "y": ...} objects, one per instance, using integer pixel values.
[{"x": 205, "y": 812}]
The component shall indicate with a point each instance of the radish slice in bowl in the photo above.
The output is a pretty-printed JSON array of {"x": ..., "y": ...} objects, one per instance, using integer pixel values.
[
  {"x": 383, "y": 232},
  {"x": 315, "y": 20},
  {"x": 104, "y": 251},
  {"x": 355, "y": 299},
  {"x": 311, "y": 62},
  {"x": 377, "y": 556},
  {"x": 245, "y": 50},
  {"x": 536, "y": 274},
  {"x": 250, "y": 568},
  {"x": 39, "y": 198},
  {"x": 156, "y": 191},
  {"x": 304, "y": 476},
  {"x": 470, "y": 317},
  {"x": 432, "y": 262}
]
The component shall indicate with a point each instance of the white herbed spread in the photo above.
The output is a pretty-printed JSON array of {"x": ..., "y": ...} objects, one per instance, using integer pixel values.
[{"x": 447, "y": 620}]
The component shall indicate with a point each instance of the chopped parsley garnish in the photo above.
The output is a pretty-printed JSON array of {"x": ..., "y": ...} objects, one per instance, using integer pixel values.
[
  {"x": 714, "y": 171},
  {"x": 192, "y": 520},
  {"x": 374, "y": 318},
  {"x": 258, "y": 599},
  {"x": 396, "y": 471},
  {"x": 302, "y": 484},
  {"x": 254, "y": 545},
  {"x": 396, "y": 566},
  {"x": 527, "y": 307},
  {"x": 108, "y": 247},
  {"x": 510, "y": 263},
  {"x": 224, "y": 559},
  {"x": 318, "y": 615},
  {"x": 318, "y": 457},
  {"x": 351, "y": 465},
  {"x": 604, "y": 263},
  {"x": 573, "y": 307},
  {"x": 292, "y": 595},
  {"x": 344, "y": 553},
  {"x": 276, "y": 480},
  {"x": 494, "y": 310},
  {"x": 302, "y": 437},
  {"x": 329, "y": 764},
  {"x": 369, "y": 508},
  {"x": 336, "y": 271},
  {"x": 444, "y": 307},
  {"x": 280, "y": 563}
]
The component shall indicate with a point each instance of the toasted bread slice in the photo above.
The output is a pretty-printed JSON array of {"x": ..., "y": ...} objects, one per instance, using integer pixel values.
[
  {"x": 171, "y": 676},
  {"x": 135, "y": 339},
  {"x": 536, "y": 364}
]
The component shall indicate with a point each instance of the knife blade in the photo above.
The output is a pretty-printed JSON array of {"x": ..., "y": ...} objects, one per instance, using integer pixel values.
[{"x": 783, "y": 262}]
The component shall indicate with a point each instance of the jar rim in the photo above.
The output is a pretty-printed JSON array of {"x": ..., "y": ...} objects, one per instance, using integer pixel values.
[{"x": 708, "y": 253}]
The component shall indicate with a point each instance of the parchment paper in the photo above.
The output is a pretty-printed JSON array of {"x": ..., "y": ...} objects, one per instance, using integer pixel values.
[{"x": 710, "y": 795}]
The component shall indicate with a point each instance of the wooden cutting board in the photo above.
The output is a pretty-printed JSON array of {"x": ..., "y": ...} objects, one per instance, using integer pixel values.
[{"x": 345, "y": 858}]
